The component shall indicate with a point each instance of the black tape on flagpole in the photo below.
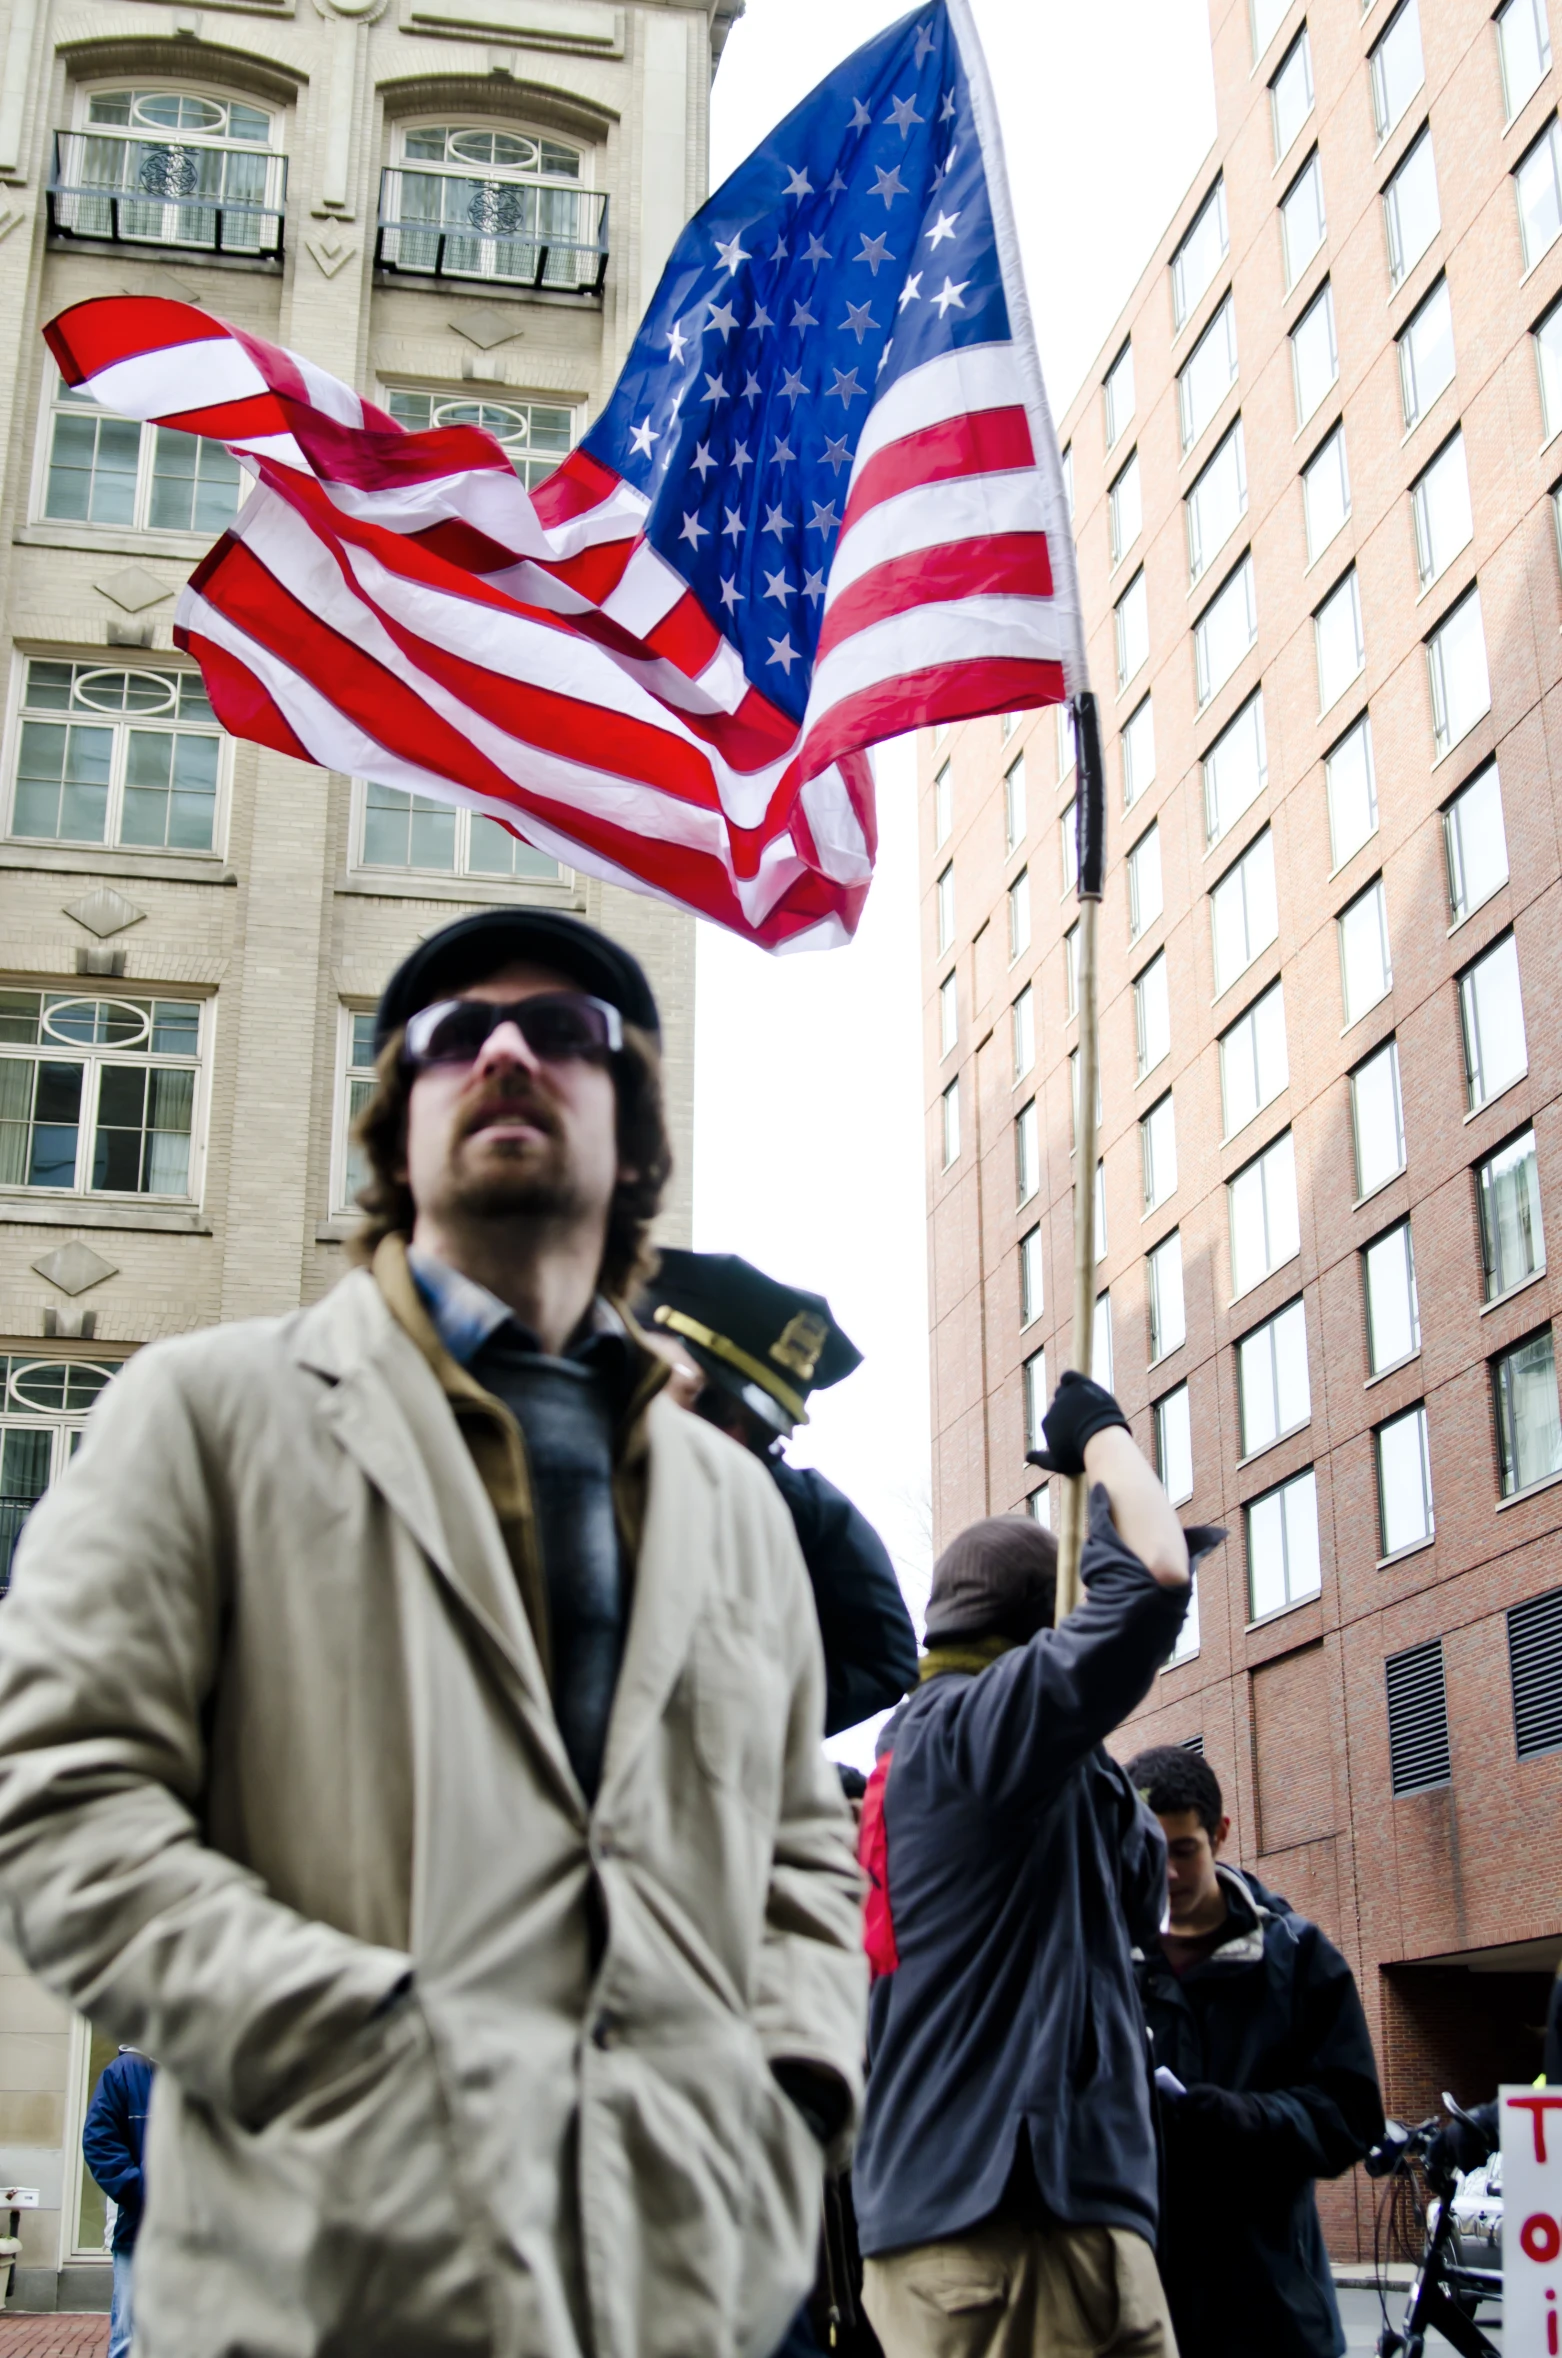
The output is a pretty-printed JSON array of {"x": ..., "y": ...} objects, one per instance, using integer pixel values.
[{"x": 1090, "y": 798}]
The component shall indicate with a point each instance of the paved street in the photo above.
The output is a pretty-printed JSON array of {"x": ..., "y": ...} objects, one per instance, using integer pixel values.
[
  {"x": 53, "y": 2337},
  {"x": 1363, "y": 2323}
]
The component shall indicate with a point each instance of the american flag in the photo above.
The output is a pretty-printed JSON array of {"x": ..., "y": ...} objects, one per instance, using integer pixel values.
[{"x": 822, "y": 506}]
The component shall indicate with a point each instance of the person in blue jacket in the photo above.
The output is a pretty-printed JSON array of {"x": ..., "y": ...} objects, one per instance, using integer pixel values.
[
  {"x": 1005, "y": 2175},
  {"x": 111, "y": 2143},
  {"x": 752, "y": 1350}
]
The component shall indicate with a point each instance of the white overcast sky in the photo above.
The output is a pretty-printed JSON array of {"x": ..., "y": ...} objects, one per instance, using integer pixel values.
[{"x": 808, "y": 1150}]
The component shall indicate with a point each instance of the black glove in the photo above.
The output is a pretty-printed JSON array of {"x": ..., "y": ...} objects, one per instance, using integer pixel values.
[
  {"x": 1464, "y": 2144},
  {"x": 1080, "y": 1410},
  {"x": 1216, "y": 2123}
]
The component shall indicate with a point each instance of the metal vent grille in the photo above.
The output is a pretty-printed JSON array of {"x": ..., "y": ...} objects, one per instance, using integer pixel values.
[
  {"x": 1192, "y": 1744},
  {"x": 1418, "y": 1719},
  {"x": 1535, "y": 1662}
]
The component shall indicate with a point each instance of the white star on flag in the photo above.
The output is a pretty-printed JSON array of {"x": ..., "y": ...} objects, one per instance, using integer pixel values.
[
  {"x": 726, "y": 319},
  {"x": 874, "y": 251},
  {"x": 859, "y": 318},
  {"x": 943, "y": 227},
  {"x": 731, "y": 254},
  {"x": 949, "y": 294},
  {"x": 643, "y": 436},
  {"x": 694, "y": 531},
  {"x": 777, "y": 586},
  {"x": 903, "y": 113},
  {"x": 861, "y": 119},
  {"x": 888, "y": 185},
  {"x": 677, "y": 339},
  {"x": 798, "y": 184},
  {"x": 783, "y": 652},
  {"x": 911, "y": 292},
  {"x": 702, "y": 461}
]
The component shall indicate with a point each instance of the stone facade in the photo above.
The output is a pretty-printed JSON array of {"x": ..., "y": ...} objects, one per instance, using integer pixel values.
[
  {"x": 1374, "y": 1697},
  {"x": 227, "y": 939}
]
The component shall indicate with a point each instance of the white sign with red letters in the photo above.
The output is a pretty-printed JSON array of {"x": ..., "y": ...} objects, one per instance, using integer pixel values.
[{"x": 1531, "y": 2221}]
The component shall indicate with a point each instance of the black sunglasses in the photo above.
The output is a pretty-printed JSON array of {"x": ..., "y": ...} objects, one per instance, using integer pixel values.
[{"x": 556, "y": 1025}]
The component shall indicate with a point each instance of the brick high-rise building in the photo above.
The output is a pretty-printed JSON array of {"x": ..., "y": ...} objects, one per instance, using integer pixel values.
[
  {"x": 1315, "y": 497},
  {"x": 462, "y": 207}
]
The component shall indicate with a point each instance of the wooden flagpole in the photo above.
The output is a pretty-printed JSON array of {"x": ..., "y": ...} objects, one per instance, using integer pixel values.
[{"x": 1090, "y": 842}]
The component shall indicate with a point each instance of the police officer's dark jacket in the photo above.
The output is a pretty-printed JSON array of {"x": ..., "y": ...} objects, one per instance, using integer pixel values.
[
  {"x": 1273, "y": 2012},
  {"x": 870, "y": 1645},
  {"x": 1013, "y": 1868}
]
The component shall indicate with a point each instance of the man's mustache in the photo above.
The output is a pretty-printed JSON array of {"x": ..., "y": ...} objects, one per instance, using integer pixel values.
[{"x": 497, "y": 1098}]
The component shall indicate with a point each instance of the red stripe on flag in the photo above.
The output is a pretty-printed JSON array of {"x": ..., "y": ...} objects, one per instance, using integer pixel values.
[
  {"x": 915, "y": 699},
  {"x": 93, "y": 335},
  {"x": 1011, "y": 564},
  {"x": 243, "y": 706},
  {"x": 596, "y": 572},
  {"x": 687, "y": 636},
  {"x": 573, "y": 489},
  {"x": 978, "y": 442}
]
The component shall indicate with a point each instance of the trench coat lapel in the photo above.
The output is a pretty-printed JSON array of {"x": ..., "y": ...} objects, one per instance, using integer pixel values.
[
  {"x": 678, "y": 1549},
  {"x": 386, "y": 1409}
]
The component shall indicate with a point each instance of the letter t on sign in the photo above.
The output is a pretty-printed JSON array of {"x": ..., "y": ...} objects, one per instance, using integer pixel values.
[{"x": 1532, "y": 2202}]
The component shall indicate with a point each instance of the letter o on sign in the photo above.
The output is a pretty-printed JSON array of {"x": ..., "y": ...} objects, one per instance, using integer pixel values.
[{"x": 1540, "y": 2238}]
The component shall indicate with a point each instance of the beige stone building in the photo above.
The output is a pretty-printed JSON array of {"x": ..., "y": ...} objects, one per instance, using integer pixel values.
[{"x": 461, "y": 207}]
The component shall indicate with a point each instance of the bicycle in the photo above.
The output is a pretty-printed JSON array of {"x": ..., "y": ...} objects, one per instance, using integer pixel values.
[{"x": 1445, "y": 2294}]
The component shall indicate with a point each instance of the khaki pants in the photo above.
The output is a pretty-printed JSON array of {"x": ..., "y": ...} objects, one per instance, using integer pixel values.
[{"x": 1021, "y": 2292}]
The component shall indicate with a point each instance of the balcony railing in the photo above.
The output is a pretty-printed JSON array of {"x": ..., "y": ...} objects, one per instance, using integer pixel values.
[
  {"x": 163, "y": 192},
  {"x": 438, "y": 224}
]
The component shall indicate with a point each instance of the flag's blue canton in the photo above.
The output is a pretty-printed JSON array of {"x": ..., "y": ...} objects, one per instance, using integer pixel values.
[{"x": 856, "y": 243}]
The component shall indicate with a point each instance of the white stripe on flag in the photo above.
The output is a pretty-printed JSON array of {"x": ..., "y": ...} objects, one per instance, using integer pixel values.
[
  {"x": 177, "y": 377},
  {"x": 966, "y": 630},
  {"x": 973, "y": 376},
  {"x": 964, "y": 507}
]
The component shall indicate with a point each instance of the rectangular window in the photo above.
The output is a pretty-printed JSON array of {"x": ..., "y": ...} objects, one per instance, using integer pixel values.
[
  {"x": 1019, "y": 915},
  {"x": 112, "y": 756},
  {"x": 1254, "y": 1068},
  {"x": 946, "y": 908},
  {"x": 1008, "y": 722},
  {"x": 134, "y": 478},
  {"x": 356, "y": 1088},
  {"x": 1440, "y": 503},
  {"x": 1303, "y": 223},
  {"x": 1152, "y": 1014},
  {"x": 1208, "y": 374},
  {"x": 1535, "y": 1668},
  {"x": 1529, "y": 1434},
  {"x": 97, "y": 1095},
  {"x": 1244, "y": 913},
  {"x": 1538, "y": 186},
  {"x": 1101, "y": 1342},
  {"x": 1125, "y": 509},
  {"x": 1033, "y": 1376},
  {"x": 1397, "y": 70},
  {"x": 1325, "y": 494},
  {"x": 1266, "y": 18},
  {"x": 1027, "y": 1152},
  {"x": 1265, "y": 1228},
  {"x": 1068, "y": 845},
  {"x": 951, "y": 1106},
  {"x": 1217, "y": 502},
  {"x": 43, "y": 1405},
  {"x": 1513, "y": 1242},
  {"x": 1014, "y": 804},
  {"x": 1282, "y": 1547},
  {"x": 1186, "y": 1647},
  {"x": 1476, "y": 843},
  {"x": 1426, "y": 354},
  {"x": 535, "y": 436},
  {"x": 943, "y": 806},
  {"x": 1291, "y": 93},
  {"x": 1418, "y": 1754},
  {"x": 1315, "y": 355},
  {"x": 1338, "y": 641},
  {"x": 1199, "y": 256},
  {"x": 1066, "y": 465},
  {"x": 1174, "y": 1460},
  {"x": 1388, "y": 1276},
  {"x": 1158, "y": 1152},
  {"x": 1491, "y": 1009},
  {"x": 1366, "y": 968},
  {"x": 1377, "y": 1120},
  {"x": 1132, "y": 614},
  {"x": 1352, "y": 792},
  {"x": 1118, "y": 395},
  {"x": 1138, "y": 752},
  {"x": 1038, "y": 1505},
  {"x": 1548, "y": 362},
  {"x": 1145, "y": 900},
  {"x": 1024, "y": 1015},
  {"x": 1524, "y": 46},
  {"x": 948, "y": 1014},
  {"x": 1100, "y": 1211},
  {"x": 414, "y": 833},
  {"x": 1225, "y": 631},
  {"x": 1031, "y": 1301},
  {"x": 1168, "y": 1318},
  {"x": 1235, "y": 769},
  {"x": 1272, "y": 1384},
  {"x": 1456, "y": 662},
  {"x": 1411, "y": 218},
  {"x": 1404, "y": 1483},
  {"x": 1071, "y": 971}
]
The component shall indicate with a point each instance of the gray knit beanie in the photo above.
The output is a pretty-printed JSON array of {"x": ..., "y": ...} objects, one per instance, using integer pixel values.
[{"x": 997, "y": 1578}]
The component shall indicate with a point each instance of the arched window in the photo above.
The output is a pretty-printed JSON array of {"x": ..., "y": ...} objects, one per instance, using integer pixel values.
[
  {"x": 535, "y": 434},
  {"x": 171, "y": 168},
  {"x": 472, "y": 200}
]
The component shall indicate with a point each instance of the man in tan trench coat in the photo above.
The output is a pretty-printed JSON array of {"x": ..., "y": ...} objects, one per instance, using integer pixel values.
[{"x": 409, "y": 1735}]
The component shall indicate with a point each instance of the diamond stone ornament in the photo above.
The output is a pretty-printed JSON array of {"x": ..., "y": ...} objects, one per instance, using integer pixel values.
[
  {"x": 104, "y": 911},
  {"x": 134, "y": 588},
  {"x": 74, "y": 1267},
  {"x": 485, "y": 327}
]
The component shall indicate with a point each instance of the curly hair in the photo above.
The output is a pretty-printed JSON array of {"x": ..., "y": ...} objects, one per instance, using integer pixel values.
[
  {"x": 1173, "y": 1779},
  {"x": 644, "y": 1151}
]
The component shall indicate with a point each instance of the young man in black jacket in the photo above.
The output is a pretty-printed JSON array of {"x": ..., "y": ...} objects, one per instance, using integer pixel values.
[{"x": 1268, "y": 2084}]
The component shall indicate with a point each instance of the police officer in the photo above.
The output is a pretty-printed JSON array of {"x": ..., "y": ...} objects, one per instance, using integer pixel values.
[{"x": 754, "y": 1350}]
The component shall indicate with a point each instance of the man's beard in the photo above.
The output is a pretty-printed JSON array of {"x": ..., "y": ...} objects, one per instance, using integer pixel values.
[{"x": 527, "y": 1179}]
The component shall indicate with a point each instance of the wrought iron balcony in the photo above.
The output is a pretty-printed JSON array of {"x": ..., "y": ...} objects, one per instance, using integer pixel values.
[
  {"x": 441, "y": 224},
  {"x": 132, "y": 191}
]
